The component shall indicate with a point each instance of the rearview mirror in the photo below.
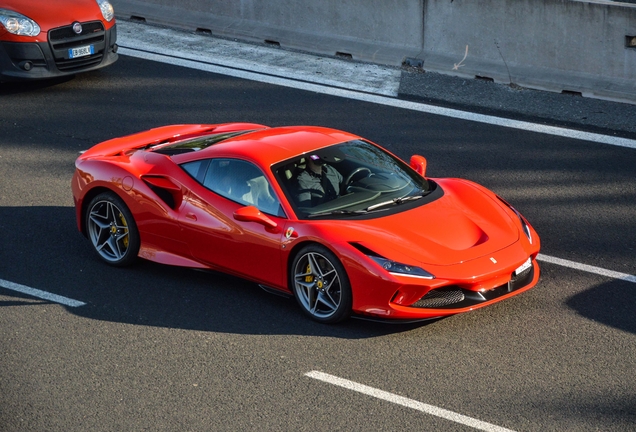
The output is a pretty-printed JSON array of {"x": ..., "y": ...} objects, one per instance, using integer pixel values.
[
  {"x": 252, "y": 214},
  {"x": 418, "y": 163}
]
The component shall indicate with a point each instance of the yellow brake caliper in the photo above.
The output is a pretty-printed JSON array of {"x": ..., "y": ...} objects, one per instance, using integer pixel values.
[
  {"x": 123, "y": 222},
  {"x": 309, "y": 278}
]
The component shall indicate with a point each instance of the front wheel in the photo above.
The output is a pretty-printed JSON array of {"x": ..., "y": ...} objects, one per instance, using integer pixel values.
[
  {"x": 321, "y": 285},
  {"x": 112, "y": 230}
]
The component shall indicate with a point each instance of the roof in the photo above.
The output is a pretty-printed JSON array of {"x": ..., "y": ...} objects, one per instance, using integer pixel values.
[{"x": 272, "y": 145}]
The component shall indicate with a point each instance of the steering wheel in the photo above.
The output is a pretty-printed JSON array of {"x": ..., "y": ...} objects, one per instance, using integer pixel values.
[{"x": 356, "y": 171}]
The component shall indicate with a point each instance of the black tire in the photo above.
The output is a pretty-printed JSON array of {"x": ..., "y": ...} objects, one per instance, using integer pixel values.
[
  {"x": 320, "y": 284},
  {"x": 111, "y": 229}
]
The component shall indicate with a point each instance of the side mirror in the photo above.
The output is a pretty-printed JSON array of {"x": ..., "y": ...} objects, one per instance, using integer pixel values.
[
  {"x": 252, "y": 214},
  {"x": 418, "y": 163}
]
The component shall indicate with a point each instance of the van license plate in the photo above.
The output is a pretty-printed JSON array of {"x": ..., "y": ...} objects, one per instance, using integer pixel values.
[{"x": 81, "y": 51}]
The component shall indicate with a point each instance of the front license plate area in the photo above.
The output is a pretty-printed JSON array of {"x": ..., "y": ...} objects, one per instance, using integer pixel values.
[
  {"x": 525, "y": 266},
  {"x": 81, "y": 51}
]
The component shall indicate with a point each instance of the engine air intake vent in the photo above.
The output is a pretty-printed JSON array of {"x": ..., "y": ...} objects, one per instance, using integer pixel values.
[{"x": 439, "y": 298}]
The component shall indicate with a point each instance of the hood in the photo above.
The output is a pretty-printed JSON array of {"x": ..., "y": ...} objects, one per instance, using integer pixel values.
[
  {"x": 466, "y": 223},
  {"x": 51, "y": 14}
]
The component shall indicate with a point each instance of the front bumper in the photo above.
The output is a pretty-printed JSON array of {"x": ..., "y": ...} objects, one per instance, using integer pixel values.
[
  {"x": 457, "y": 299},
  {"x": 38, "y": 60},
  {"x": 457, "y": 288},
  {"x": 451, "y": 300}
]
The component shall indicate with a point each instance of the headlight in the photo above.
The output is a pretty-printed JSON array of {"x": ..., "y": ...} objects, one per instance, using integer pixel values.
[
  {"x": 524, "y": 225},
  {"x": 522, "y": 220},
  {"x": 107, "y": 9},
  {"x": 18, "y": 24},
  {"x": 401, "y": 269}
]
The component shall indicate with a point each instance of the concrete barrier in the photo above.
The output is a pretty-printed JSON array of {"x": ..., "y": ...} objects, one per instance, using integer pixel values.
[
  {"x": 363, "y": 29},
  {"x": 556, "y": 45}
]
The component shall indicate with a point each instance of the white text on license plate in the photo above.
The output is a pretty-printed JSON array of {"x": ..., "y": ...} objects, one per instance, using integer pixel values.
[
  {"x": 526, "y": 265},
  {"x": 81, "y": 51}
]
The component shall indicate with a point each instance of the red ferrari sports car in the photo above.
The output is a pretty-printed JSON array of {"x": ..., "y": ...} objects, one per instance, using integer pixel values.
[
  {"x": 324, "y": 215},
  {"x": 45, "y": 39}
]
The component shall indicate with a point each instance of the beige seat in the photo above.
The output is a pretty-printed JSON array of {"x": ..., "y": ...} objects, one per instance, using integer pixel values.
[{"x": 259, "y": 195}]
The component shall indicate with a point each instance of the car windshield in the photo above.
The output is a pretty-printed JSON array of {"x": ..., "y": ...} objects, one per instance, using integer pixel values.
[{"x": 352, "y": 178}]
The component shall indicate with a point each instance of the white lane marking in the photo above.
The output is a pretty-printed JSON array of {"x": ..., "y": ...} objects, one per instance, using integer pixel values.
[
  {"x": 208, "y": 65},
  {"x": 587, "y": 268},
  {"x": 409, "y": 403},
  {"x": 40, "y": 294}
]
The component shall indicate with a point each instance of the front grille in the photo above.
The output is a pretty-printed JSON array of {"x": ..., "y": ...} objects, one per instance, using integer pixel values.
[
  {"x": 64, "y": 33},
  {"x": 63, "y": 39},
  {"x": 439, "y": 298},
  {"x": 73, "y": 44},
  {"x": 454, "y": 297},
  {"x": 79, "y": 63}
]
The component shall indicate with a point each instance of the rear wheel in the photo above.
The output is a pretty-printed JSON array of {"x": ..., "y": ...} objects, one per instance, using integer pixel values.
[
  {"x": 112, "y": 230},
  {"x": 321, "y": 285}
]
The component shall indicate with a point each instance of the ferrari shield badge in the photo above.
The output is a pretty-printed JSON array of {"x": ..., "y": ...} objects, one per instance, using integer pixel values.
[{"x": 290, "y": 233}]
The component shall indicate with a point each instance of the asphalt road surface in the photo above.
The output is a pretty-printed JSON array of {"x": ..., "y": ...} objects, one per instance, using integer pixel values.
[{"x": 163, "y": 348}]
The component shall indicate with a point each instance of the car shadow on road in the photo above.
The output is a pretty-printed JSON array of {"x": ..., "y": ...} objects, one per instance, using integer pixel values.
[
  {"x": 611, "y": 303},
  {"x": 48, "y": 253},
  {"x": 17, "y": 87}
]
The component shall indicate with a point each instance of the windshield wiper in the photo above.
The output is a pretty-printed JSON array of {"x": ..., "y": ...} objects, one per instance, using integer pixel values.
[
  {"x": 395, "y": 201},
  {"x": 338, "y": 212}
]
